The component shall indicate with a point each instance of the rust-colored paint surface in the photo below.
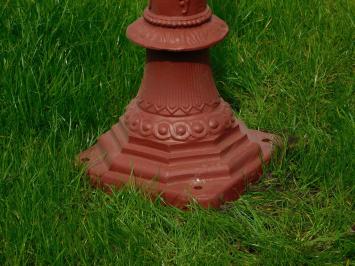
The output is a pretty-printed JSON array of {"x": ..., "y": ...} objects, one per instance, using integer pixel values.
[{"x": 178, "y": 138}]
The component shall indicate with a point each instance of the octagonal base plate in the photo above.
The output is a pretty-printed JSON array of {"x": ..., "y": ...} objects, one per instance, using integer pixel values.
[{"x": 209, "y": 171}]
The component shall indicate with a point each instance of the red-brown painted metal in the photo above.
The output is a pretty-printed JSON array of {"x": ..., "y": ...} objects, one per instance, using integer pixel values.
[{"x": 178, "y": 138}]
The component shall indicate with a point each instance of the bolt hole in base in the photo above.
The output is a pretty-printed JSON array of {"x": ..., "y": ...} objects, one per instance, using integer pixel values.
[
  {"x": 85, "y": 160},
  {"x": 266, "y": 140},
  {"x": 198, "y": 187}
]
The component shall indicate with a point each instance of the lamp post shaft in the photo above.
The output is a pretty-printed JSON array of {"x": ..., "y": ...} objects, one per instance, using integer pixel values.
[{"x": 178, "y": 84}]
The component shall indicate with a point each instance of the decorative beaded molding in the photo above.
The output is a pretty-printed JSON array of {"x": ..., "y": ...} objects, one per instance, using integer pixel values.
[
  {"x": 179, "y": 129},
  {"x": 174, "y": 22}
]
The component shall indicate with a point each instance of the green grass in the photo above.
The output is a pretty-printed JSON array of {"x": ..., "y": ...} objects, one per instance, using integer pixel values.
[{"x": 67, "y": 72}]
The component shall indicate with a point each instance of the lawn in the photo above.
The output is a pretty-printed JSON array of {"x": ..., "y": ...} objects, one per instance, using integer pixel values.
[{"x": 67, "y": 72}]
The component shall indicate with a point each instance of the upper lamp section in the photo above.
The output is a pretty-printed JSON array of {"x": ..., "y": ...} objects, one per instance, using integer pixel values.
[
  {"x": 177, "y": 8},
  {"x": 177, "y": 25}
]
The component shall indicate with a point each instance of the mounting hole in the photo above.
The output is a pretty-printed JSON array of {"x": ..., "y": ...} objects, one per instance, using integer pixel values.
[
  {"x": 266, "y": 140},
  {"x": 198, "y": 187},
  {"x": 85, "y": 159}
]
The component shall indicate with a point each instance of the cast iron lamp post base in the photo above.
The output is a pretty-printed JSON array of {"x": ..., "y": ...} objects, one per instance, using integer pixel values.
[{"x": 178, "y": 138}]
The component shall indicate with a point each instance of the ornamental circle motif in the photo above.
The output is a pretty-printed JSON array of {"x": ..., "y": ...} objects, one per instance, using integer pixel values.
[
  {"x": 199, "y": 129},
  {"x": 162, "y": 131},
  {"x": 182, "y": 129},
  {"x": 146, "y": 128}
]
